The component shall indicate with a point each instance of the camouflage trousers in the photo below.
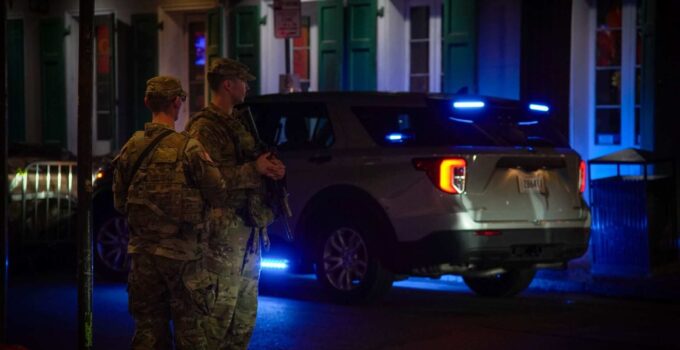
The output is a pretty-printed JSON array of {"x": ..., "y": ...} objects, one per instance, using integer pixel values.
[
  {"x": 157, "y": 295},
  {"x": 235, "y": 258}
]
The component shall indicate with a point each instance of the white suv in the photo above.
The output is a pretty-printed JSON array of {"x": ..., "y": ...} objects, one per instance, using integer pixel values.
[{"x": 386, "y": 184}]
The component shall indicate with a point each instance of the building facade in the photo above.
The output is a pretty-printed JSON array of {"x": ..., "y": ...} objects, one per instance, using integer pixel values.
[{"x": 593, "y": 61}]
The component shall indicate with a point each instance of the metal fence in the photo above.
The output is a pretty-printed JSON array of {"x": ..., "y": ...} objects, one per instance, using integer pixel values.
[{"x": 43, "y": 202}]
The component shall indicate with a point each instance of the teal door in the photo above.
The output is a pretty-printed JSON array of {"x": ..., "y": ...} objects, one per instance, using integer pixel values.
[
  {"x": 331, "y": 45},
  {"x": 361, "y": 50},
  {"x": 53, "y": 81},
  {"x": 459, "y": 51},
  {"x": 245, "y": 41}
]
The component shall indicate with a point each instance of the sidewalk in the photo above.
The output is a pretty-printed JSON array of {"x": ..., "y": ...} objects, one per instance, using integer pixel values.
[{"x": 664, "y": 284}]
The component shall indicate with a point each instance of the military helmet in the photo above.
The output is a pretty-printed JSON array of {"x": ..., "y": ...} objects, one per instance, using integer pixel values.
[
  {"x": 229, "y": 68},
  {"x": 164, "y": 86}
]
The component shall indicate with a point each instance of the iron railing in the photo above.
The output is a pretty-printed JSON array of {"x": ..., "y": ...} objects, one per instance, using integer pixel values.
[{"x": 44, "y": 198}]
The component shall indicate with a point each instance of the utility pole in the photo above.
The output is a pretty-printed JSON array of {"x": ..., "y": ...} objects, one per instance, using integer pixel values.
[
  {"x": 4, "y": 190},
  {"x": 85, "y": 275}
]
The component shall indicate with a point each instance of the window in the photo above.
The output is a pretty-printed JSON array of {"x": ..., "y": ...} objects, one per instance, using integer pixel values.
[
  {"x": 104, "y": 77},
  {"x": 618, "y": 41},
  {"x": 438, "y": 125},
  {"x": 197, "y": 62},
  {"x": 419, "y": 78},
  {"x": 294, "y": 126},
  {"x": 301, "y": 49}
]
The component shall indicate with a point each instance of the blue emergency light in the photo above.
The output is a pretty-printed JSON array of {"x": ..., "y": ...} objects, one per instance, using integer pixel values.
[
  {"x": 396, "y": 137},
  {"x": 539, "y": 107},
  {"x": 274, "y": 264},
  {"x": 468, "y": 104}
]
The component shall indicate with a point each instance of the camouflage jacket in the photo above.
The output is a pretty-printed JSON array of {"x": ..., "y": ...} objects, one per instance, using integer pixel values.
[
  {"x": 167, "y": 200},
  {"x": 232, "y": 146}
]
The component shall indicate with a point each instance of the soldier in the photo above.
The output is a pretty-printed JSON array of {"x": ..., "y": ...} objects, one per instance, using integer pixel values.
[
  {"x": 236, "y": 250},
  {"x": 165, "y": 183}
]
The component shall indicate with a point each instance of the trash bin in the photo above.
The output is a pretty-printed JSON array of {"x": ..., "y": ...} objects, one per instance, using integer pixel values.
[{"x": 633, "y": 217}]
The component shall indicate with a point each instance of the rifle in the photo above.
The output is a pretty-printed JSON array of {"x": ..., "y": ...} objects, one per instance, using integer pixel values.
[{"x": 276, "y": 188}]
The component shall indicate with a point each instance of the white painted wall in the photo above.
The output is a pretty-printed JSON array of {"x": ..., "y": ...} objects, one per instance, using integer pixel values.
[
  {"x": 392, "y": 59},
  {"x": 272, "y": 51},
  {"x": 173, "y": 58},
  {"x": 582, "y": 79},
  {"x": 498, "y": 49},
  {"x": 311, "y": 10}
]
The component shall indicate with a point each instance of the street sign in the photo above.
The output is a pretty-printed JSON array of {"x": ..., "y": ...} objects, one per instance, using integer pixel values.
[{"x": 287, "y": 18}]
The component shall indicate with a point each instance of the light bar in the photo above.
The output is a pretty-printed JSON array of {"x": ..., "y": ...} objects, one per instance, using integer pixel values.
[
  {"x": 468, "y": 104},
  {"x": 466, "y": 121},
  {"x": 538, "y": 107},
  {"x": 396, "y": 137},
  {"x": 274, "y": 264},
  {"x": 533, "y": 122}
]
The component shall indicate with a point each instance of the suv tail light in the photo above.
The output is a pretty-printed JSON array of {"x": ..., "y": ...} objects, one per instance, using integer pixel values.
[
  {"x": 448, "y": 174},
  {"x": 582, "y": 176}
]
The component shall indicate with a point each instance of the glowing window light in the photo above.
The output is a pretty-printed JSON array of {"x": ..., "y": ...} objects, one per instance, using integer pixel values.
[{"x": 199, "y": 47}]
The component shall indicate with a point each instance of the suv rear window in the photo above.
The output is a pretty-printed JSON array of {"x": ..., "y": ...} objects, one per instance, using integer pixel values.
[
  {"x": 293, "y": 126},
  {"x": 438, "y": 125}
]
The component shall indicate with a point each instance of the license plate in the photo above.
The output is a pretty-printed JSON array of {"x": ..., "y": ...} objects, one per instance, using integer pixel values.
[{"x": 531, "y": 183}]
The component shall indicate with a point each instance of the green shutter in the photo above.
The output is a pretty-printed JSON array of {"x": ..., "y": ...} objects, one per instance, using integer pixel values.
[
  {"x": 214, "y": 48},
  {"x": 331, "y": 45},
  {"x": 53, "y": 81},
  {"x": 460, "y": 45},
  {"x": 245, "y": 40},
  {"x": 361, "y": 45},
  {"x": 144, "y": 64},
  {"x": 15, "y": 80}
]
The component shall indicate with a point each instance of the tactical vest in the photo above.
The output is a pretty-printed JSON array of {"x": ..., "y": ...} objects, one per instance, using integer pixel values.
[
  {"x": 250, "y": 205},
  {"x": 161, "y": 197}
]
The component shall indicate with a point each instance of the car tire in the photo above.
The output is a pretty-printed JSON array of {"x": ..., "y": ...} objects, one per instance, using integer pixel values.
[
  {"x": 111, "y": 236},
  {"x": 505, "y": 284},
  {"x": 348, "y": 263}
]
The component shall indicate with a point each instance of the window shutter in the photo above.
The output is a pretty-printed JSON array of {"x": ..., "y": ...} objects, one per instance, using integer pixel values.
[
  {"x": 214, "y": 47},
  {"x": 53, "y": 81},
  {"x": 144, "y": 63},
  {"x": 15, "y": 78},
  {"x": 460, "y": 45},
  {"x": 362, "y": 45},
  {"x": 331, "y": 45},
  {"x": 245, "y": 40}
]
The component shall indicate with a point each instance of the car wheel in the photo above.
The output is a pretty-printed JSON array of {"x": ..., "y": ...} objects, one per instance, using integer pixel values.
[
  {"x": 505, "y": 284},
  {"x": 111, "y": 243},
  {"x": 348, "y": 266}
]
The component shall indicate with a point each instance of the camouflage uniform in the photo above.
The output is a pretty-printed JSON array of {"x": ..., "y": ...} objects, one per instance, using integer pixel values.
[
  {"x": 166, "y": 202},
  {"x": 234, "y": 248}
]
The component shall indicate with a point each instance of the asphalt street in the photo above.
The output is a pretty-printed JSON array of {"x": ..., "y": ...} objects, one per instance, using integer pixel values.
[{"x": 417, "y": 314}]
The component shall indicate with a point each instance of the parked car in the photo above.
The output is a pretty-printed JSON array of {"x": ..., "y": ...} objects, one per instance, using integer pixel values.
[
  {"x": 403, "y": 184},
  {"x": 42, "y": 204}
]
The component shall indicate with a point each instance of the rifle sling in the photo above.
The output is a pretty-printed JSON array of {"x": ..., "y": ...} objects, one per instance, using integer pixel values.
[{"x": 147, "y": 151}]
